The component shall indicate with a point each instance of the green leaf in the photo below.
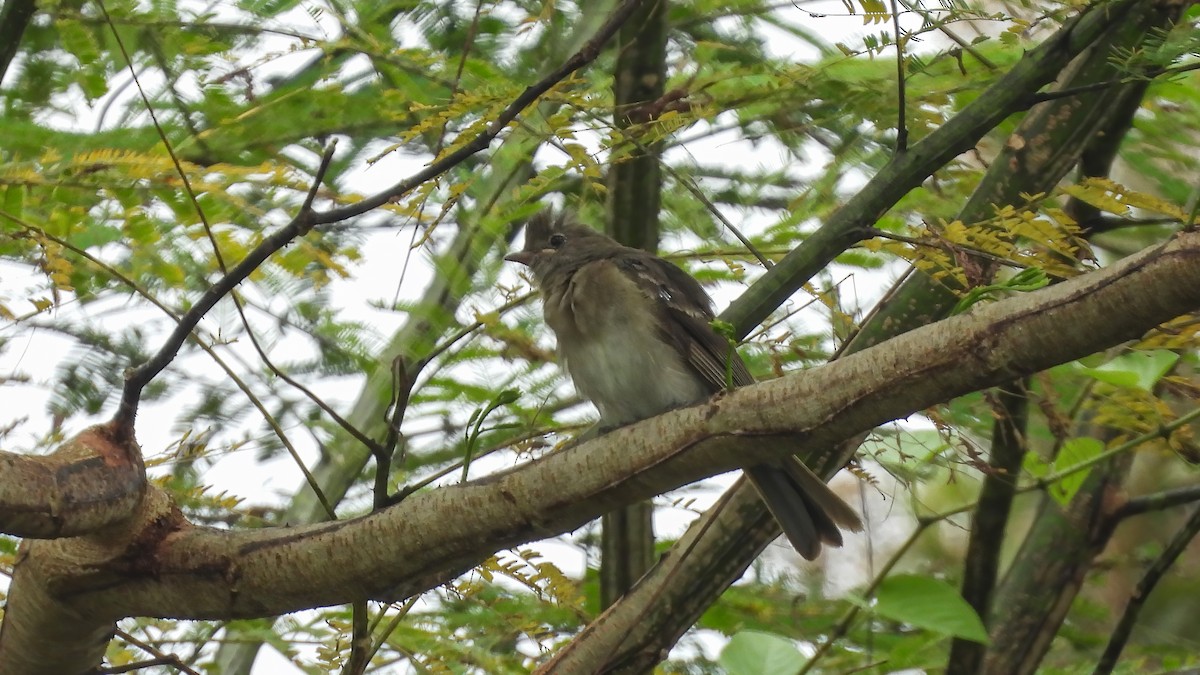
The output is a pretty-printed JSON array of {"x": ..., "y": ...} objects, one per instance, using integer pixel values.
[
  {"x": 14, "y": 200},
  {"x": 1029, "y": 279},
  {"x": 753, "y": 653},
  {"x": 78, "y": 40},
  {"x": 930, "y": 604},
  {"x": 1134, "y": 369},
  {"x": 97, "y": 234},
  {"x": 1074, "y": 451}
]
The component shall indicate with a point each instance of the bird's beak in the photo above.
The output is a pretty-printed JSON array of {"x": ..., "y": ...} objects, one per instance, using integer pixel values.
[{"x": 523, "y": 257}]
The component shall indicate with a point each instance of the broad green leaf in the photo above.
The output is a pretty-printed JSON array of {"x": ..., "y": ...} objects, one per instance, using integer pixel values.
[
  {"x": 754, "y": 653},
  {"x": 1074, "y": 452},
  {"x": 930, "y": 604},
  {"x": 1134, "y": 369}
]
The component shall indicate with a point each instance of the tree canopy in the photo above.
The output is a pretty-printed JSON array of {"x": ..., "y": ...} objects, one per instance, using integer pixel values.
[{"x": 954, "y": 241}]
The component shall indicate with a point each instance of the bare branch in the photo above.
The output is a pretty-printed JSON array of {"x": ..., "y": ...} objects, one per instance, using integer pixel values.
[
  {"x": 1159, "y": 501},
  {"x": 1149, "y": 580}
]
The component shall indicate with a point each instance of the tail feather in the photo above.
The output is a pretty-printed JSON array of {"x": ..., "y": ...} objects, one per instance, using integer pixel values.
[{"x": 807, "y": 510}]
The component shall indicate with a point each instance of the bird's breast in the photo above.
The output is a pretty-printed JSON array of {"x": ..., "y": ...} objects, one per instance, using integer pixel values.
[{"x": 612, "y": 347}]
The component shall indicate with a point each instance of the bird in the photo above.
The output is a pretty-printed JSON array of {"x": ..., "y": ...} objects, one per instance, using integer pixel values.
[{"x": 635, "y": 336}]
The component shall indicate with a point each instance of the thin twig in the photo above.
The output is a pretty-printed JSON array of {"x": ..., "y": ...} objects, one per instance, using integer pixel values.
[
  {"x": 140, "y": 665},
  {"x": 319, "y": 177},
  {"x": 357, "y": 434},
  {"x": 1120, "y": 634},
  {"x": 712, "y": 208},
  {"x": 404, "y": 377},
  {"x": 1159, "y": 501},
  {"x": 940, "y": 24},
  {"x": 160, "y": 658},
  {"x": 305, "y": 220},
  {"x": 842, "y": 627},
  {"x": 185, "y": 26},
  {"x": 947, "y": 247},
  {"x": 879, "y": 307},
  {"x": 360, "y": 639},
  {"x": 402, "y": 386},
  {"x": 393, "y": 624},
  {"x": 1164, "y": 431},
  {"x": 1149, "y": 74},
  {"x": 469, "y": 44},
  {"x": 586, "y": 54},
  {"x": 457, "y": 466},
  {"x": 162, "y": 135}
]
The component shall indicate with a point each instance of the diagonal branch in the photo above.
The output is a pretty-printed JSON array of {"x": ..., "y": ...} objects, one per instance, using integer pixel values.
[
  {"x": 907, "y": 170},
  {"x": 1145, "y": 586},
  {"x": 306, "y": 219},
  {"x": 163, "y": 566},
  {"x": 1159, "y": 501},
  {"x": 137, "y": 379}
]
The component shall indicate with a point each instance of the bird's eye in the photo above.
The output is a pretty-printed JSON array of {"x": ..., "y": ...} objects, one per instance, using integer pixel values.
[{"x": 557, "y": 240}]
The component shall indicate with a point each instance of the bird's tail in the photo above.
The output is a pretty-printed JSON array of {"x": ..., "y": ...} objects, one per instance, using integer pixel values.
[{"x": 807, "y": 510}]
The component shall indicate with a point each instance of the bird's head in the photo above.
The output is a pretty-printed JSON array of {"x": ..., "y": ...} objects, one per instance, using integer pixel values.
[{"x": 555, "y": 242}]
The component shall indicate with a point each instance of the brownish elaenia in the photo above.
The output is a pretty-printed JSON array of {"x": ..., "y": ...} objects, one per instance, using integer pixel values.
[{"x": 635, "y": 334}]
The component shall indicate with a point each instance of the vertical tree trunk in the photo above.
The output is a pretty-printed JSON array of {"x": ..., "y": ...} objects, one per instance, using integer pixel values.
[
  {"x": 634, "y": 187},
  {"x": 990, "y": 519}
]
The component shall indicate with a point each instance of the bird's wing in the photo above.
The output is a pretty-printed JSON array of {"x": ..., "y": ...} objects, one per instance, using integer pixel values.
[{"x": 685, "y": 313}]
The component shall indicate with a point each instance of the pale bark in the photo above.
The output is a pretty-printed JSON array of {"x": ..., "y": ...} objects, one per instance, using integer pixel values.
[{"x": 87, "y": 483}]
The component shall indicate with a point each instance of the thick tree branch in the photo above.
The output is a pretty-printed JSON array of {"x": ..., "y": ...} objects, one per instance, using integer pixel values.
[
  {"x": 162, "y": 566},
  {"x": 88, "y": 483},
  {"x": 1159, "y": 501},
  {"x": 14, "y": 19},
  {"x": 1033, "y": 598}
]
